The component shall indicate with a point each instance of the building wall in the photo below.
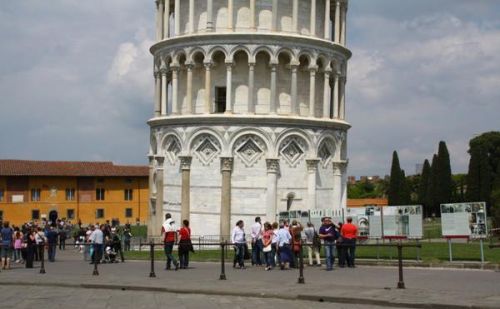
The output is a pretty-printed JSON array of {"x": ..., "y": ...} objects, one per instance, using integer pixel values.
[{"x": 84, "y": 205}]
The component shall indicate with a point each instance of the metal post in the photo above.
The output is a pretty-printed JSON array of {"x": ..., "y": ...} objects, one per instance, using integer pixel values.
[
  {"x": 96, "y": 272},
  {"x": 42, "y": 266},
  {"x": 401, "y": 283},
  {"x": 222, "y": 262},
  {"x": 482, "y": 250},
  {"x": 301, "y": 265},
  {"x": 449, "y": 250},
  {"x": 152, "y": 256}
]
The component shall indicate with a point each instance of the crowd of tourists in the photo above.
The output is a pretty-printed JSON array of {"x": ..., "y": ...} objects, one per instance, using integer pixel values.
[
  {"x": 282, "y": 244},
  {"x": 26, "y": 243}
]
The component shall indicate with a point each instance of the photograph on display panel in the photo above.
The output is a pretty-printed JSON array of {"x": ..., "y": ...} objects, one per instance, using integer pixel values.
[{"x": 464, "y": 219}]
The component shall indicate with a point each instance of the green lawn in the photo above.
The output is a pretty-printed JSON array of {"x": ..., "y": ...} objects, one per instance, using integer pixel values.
[{"x": 430, "y": 252}]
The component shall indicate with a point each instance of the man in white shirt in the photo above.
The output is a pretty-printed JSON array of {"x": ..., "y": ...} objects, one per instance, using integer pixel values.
[
  {"x": 256, "y": 242},
  {"x": 238, "y": 240},
  {"x": 96, "y": 238}
]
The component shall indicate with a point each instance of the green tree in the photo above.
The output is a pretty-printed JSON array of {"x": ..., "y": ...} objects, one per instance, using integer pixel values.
[
  {"x": 443, "y": 190},
  {"x": 431, "y": 189},
  {"x": 423, "y": 188},
  {"x": 395, "y": 183},
  {"x": 495, "y": 199},
  {"x": 405, "y": 192}
]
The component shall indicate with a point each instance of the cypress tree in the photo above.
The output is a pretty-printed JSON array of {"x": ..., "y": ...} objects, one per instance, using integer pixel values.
[
  {"x": 443, "y": 175},
  {"x": 485, "y": 177},
  {"x": 423, "y": 187},
  {"x": 405, "y": 192},
  {"x": 394, "y": 191},
  {"x": 473, "y": 179},
  {"x": 431, "y": 189}
]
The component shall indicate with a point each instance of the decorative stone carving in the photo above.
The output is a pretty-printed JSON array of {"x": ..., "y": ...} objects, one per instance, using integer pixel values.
[
  {"x": 312, "y": 164},
  {"x": 206, "y": 149},
  {"x": 339, "y": 167},
  {"x": 325, "y": 153},
  {"x": 159, "y": 162},
  {"x": 292, "y": 149},
  {"x": 249, "y": 149},
  {"x": 226, "y": 164},
  {"x": 273, "y": 165},
  {"x": 172, "y": 149},
  {"x": 185, "y": 162}
]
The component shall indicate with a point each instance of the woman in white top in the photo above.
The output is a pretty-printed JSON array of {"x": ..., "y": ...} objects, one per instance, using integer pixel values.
[{"x": 238, "y": 240}]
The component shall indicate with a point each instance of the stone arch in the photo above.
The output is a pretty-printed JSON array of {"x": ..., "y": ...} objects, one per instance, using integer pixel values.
[
  {"x": 293, "y": 146},
  {"x": 261, "y": 49},
  {"x": 241, "y": 15},
  {"x": 323, "y": 62},
  {"x": 178, "y": 55},
  {"x": 220, "y": 12},
  {"x": 153, "y": 145},
  {"x": 262, "y": 57},
  {"x": 239, "y": 48},
  {"x": 263, "y": 16},
  {"x": 251, "y": 131},
  {"x": 205, "y": 146},
  {"x": 207, "y": 131},
  {"x": 194, "y": 53},
  {"x": 171, "y": 133},
  {"x": 327, "y": 149},
  {"x": 216, "y": 49},
  {"x": 288, "y": 52},
  {"x": 171, "y": 147},
  {"x": 249, "y": 149}
]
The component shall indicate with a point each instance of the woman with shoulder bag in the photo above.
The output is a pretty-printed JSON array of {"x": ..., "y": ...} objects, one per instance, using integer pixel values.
[
  {"x": 185, "y": 244},
  {"x": 267, "y": 238}
]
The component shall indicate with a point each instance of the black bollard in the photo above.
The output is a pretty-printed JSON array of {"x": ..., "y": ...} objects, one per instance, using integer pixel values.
[
  {"x": 222, "y": 262},
  {"x": 152, "y": 255},
  {"x": 401, "y": 283},
  {"x": 301, "y": 265},
  {"x": 42, "y": 251}
]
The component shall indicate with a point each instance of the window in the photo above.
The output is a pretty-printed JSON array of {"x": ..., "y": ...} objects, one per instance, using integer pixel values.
[
  {"x": 70, "y": 214},
  {"x": 1, "y": 216},
  {"x": 128, "y": 212},
  {"x": 220, "y": 99},
  {"x": 129, "y": 194},
  {"x": 70, "y": 194},
  {"x": 100, "y": 180},
  {"x": 35, "y": 214},
  {"x": 35, "y": 195},
  {"x": 1, "y": 195},
  {"x": 99, "y": 194},
  {"x": 99, "y": 213}
]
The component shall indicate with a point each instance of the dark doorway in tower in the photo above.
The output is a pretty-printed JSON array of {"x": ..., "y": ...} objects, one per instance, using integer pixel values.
[
  {"x": 53, "y": 216},
  {"x": 220, "y": 99}
]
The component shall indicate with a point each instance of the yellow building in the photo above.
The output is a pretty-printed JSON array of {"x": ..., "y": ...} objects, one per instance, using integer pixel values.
[{"x": 89, "y": 192}]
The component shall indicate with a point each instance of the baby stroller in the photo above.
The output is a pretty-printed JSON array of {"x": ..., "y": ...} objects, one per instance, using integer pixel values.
[{"x": 109, "y": 253}]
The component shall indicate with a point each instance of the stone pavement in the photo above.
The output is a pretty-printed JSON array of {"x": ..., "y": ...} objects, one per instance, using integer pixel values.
[{"x": 440, "y": 288}]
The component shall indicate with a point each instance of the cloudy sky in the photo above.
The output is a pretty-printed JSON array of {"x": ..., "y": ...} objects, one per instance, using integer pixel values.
[{"x": 76, "y": 79}]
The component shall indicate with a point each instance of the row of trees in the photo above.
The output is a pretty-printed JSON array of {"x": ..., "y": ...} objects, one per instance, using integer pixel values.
[{"x": 436, "y": 184}]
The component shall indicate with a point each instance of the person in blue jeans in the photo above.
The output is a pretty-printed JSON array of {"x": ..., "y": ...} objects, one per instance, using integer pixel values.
[
  {"x": 238, "y": 240},
  {"x": 329, "y": 234},
  {"x": 51, "y": 236}
]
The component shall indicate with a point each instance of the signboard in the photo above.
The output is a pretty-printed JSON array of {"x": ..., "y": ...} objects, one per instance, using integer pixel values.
[
  {"x": 397, "y": 222},
  {"x": 464, "y": 220}
]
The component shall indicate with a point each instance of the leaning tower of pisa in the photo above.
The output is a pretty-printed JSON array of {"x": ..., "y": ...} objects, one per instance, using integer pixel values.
[{"x": 249, "y": 116}]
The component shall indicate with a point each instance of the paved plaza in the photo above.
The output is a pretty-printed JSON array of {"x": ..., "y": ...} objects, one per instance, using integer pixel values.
[{"x": 200, "y": 286}]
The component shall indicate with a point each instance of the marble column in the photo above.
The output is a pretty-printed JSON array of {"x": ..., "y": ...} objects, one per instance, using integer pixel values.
[
  {"x": 159, "y": 193},
  {"x": 164, "y": 90},
  {"x": 327, "y": 90},
  {"x": 152, "y": 230},
  {"x": 189, "y": 89},
  {"x": 166, "y": 20},
  {"x": 337, "y": 22},
  {"x": 159, "y": 15},
  {"x": 230, "y": 12},
  {"x": 343, "y": 199},
  {"x": 313, "y": 17},
  {"x": 251, "y": 86},
  {"x": 208, "y": 87},
  {"x": 253, "y": 27},
  {"x": 226, "y": 165},
  {"x": 337, "y": 185},
  {"x": 344, "y": 24},
  {"x": 157, "y": 76},
  {"x": 295, "y": 16},
  {"x": 335, "y": 95},
  {"x": 177, "y": 17},
  {"x": 191, "y": 16},
  {"x": 273, "y": 169},
  {"x": 175, "y": 90},
  {"x": 327, "y": 20},
  {"x": 342, "y": 81},
  {"x": 312, "y": 90},
  {"x": 186, "y": 187},
  {"x": 274, "y": 19},
  {"x": 273, "y": 89},
  {"x": 294, "y": 109},
  {"x": 229, "y": 86},
  {"x": 312, "y": 168},
  {"x": 210, "y": 15}
]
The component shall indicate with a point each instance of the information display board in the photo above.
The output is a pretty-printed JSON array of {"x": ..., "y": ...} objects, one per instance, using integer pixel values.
[
  {"x": 397, "y": 222},
  {"x": 464, "y": 220}
]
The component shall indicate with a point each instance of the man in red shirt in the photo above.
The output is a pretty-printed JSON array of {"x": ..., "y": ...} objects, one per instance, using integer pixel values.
[
  {"x": 169, "y": 233},
  {"x": 349, "y": 233}
]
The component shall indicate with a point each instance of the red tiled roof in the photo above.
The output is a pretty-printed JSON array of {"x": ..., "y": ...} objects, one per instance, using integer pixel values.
[{"x": 73, "y": 168}]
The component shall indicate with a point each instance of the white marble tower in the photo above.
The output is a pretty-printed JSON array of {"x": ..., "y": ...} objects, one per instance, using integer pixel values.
[{"x": 249, "y": 115}]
